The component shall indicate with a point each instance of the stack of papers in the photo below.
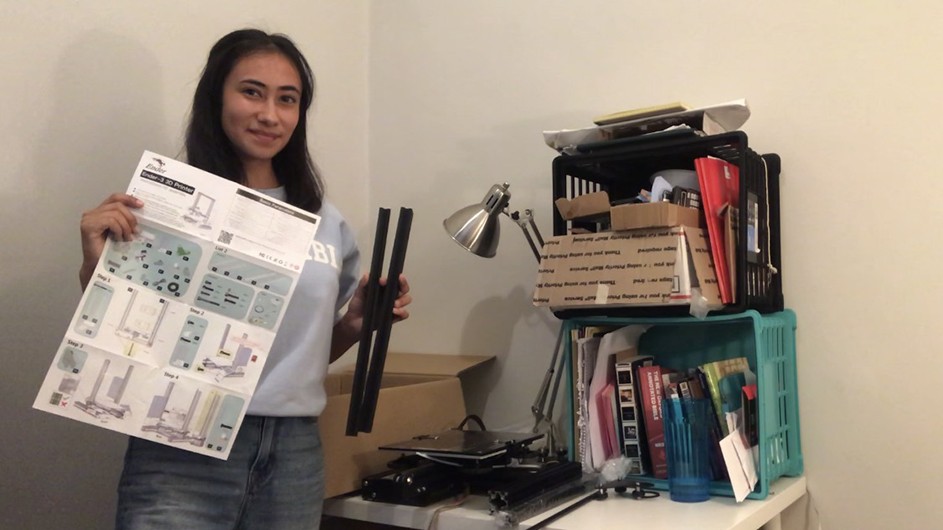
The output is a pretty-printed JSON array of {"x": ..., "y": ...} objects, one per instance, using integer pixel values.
[{"x": 712, "y": 119}]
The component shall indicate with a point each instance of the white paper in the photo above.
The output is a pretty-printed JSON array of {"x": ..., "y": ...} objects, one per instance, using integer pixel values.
[
  {"x": 733, "y": 420},
  {"x": 722, "y": 117},
  {"x": 169, "y": 338},
  {"x": 739, "y": 462},
  {"x": 623, "y": 339}
]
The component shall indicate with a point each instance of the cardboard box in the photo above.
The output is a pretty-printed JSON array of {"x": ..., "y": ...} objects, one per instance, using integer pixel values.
[
  {"x": 419, "y": 394},
  {"x": 582, "y": 206},
  {"x": 653, "y": 266},
  {"x": 653, "y": 215}
]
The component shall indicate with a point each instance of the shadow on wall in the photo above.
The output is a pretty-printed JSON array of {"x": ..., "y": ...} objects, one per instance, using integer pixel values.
[
  {"x": 496, "y": 318},
  {"x": 106, "y": 109},
  {"x": 502, "y": 392}
]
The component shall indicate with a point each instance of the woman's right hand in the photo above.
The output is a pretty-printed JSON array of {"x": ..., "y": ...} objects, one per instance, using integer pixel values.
[{"x": 112, "y": 218}]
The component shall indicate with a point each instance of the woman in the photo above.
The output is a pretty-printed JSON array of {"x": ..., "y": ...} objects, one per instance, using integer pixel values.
[{"x": 248, "y": 124}]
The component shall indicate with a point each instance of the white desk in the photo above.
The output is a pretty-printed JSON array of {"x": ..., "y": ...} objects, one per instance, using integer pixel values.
[{"x": 718, "y": 513}]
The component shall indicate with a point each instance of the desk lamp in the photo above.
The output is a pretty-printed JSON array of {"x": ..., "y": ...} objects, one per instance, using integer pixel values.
[{"x": 476, "y": 228}]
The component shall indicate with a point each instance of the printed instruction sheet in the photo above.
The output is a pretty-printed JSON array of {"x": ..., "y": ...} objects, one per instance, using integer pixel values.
[{"x": 170, "y": 336}]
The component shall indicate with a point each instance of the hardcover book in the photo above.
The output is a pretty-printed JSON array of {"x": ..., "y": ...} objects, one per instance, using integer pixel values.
[{"x": 651, "y": 395}]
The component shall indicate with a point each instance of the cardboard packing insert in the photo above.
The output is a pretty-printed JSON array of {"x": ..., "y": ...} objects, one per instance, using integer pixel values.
[
  {"x": 652, "y": 215},
  {"x": 655, "y": 266},
  {"x": 596, "y": 206},
  {"x": 588, "y": 205},
  {"x": 419, "y": 394}
]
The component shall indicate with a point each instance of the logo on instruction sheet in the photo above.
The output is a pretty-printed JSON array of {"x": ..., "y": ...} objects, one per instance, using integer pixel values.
[{"x": 159, "y": 167}]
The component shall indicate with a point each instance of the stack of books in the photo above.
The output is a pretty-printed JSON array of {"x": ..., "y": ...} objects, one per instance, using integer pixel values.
[{"x": 620, "y": 394}]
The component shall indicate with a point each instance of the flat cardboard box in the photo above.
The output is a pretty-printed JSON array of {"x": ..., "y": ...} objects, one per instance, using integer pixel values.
[
  {"x": 652, "y": 215},
  {"x": 647, "y": 267},
  {"x": 419, "y": 394},
  {"x": 583, "y": 206}
]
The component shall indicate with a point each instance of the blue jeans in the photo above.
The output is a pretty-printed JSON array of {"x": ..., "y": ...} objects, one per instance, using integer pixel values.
[{"x": 272, "y": 480}]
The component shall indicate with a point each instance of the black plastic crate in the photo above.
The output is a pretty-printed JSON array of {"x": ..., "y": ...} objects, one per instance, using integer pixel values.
[{"x": 623, "y": 170}]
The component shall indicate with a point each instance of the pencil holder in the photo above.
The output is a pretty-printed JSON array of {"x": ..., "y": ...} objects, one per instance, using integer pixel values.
[{"x": 687, "y": 443}]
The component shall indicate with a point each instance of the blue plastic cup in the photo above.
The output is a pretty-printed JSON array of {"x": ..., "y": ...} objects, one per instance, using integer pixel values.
[{"x": 687, "y": 443}]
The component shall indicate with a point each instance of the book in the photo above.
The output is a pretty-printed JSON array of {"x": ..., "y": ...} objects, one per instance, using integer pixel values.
[
  {"x": 750, "y": 415},
  {"x": 601, "y": 423},
  {"x": 607, "y": 422},
  {"x": 615, "y": 421},
  {"x": 714, "y": 372},
  {"x": 634, "y": 443},
  {"x": 731, "y": 391},
  {"x": 644, "y": 112},
  {"x": 651, "y": 395},
  {"x": 699, "y": 391},
  {"x": 672, "y": 394},
  {"x": 691, "y": 389}
]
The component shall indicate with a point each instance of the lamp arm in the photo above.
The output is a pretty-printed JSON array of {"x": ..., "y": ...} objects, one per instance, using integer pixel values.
[
  {"x": 526, "y": 222},
  {"x": 540, "y": 403}
]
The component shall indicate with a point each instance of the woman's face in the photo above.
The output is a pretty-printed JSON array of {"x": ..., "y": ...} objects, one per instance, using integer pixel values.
[{"x": 261, "y": 105}]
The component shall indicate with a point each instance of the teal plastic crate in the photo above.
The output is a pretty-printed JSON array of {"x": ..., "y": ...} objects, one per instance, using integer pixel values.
[{"x": 768, "y": 341}]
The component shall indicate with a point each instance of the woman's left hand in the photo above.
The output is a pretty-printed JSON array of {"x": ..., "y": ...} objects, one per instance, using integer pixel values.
[
  {"x": 348, "y": 330},
  {"x": 403, "y": 299}
]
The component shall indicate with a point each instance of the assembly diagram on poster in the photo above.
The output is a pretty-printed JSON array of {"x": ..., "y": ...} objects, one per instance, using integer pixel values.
[{"x": 172, "y": 332}]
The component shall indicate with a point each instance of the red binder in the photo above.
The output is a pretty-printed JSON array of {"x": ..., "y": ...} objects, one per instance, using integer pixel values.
[{"x": 720, "y": 191}]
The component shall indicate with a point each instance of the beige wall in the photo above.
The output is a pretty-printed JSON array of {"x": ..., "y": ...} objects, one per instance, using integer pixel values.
[
  {"x": 426, "y": 104},
  {"x": 846, "y": 93}
]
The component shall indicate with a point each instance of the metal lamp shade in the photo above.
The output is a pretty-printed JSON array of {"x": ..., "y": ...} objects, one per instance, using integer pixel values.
[{"x": 476, "y": 227}]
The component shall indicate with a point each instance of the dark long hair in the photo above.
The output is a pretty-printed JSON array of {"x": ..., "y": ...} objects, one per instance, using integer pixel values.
[{"x": 208, "y": 147}]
